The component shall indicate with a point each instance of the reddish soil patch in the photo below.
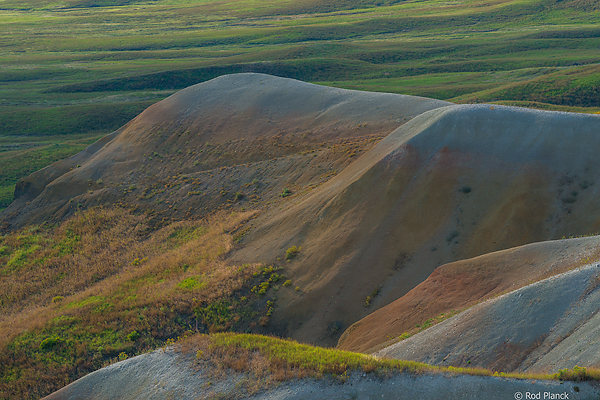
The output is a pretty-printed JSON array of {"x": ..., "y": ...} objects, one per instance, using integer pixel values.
[{"x": 461, "y": 284}]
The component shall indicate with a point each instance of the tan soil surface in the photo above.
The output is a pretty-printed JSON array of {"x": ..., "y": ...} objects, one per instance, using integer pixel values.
[
  {"x": 212, "y": 140},
  {"x": 453, "y": 183}
]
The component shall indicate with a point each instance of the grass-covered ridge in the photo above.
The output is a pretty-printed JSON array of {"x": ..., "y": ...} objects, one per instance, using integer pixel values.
[
  {"x": 283, "y": 359},
  {"x": 106, "y": 285}
]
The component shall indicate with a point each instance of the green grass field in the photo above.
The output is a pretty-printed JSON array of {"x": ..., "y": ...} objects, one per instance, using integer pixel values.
[{"x": 75, "y": 69}]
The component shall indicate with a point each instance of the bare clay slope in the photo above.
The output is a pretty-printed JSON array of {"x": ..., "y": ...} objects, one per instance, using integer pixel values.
[
  {"x": 543, "y": 327},
  {"x": 461, "y": 284},
  {"x": 453, "y": 183},
  {"x": 191, "y": 152}
]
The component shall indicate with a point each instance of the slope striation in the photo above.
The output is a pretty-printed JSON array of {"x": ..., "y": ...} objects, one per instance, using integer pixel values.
[
  {"x": 453, "y": 183},
  {"x": 555, "y": 326},
  {"x": 455, "y": 286}
]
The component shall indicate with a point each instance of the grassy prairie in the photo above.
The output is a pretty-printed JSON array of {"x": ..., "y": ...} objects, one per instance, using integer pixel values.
[{"x": 78, "y": 67}]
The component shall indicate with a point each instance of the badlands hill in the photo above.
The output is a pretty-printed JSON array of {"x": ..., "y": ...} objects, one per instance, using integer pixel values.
[
  {"x": 544, "y": 326},
  {"x": 210, "y": 141},
  {"x": 454, "y": 182},
  {"x": 402, "y": 208}
]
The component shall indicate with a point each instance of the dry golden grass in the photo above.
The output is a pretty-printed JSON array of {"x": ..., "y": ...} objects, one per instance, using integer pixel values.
[
  {"x": 103, "y": 285},
  {"x": 269, "y": 359}
]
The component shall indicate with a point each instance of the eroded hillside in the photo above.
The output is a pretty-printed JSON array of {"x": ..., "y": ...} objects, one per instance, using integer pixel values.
[{"x": 355, "y": 197}]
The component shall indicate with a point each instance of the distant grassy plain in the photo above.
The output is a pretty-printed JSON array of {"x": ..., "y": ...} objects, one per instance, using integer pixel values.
[{"x": 71, "y": 70}]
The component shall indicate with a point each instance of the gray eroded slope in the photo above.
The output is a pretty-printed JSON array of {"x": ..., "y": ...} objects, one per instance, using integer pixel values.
[
  {"x": 526, "y": 330},
  {"x": 464, "y": 283}
]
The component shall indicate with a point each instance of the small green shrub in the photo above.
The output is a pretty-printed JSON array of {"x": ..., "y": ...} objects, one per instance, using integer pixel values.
[
  {"x": 370, "y": 298},
  {"x": 50, "y": 342},
  {"x": 286, "y": 192},
  {"x": 57, "y": 299},
  {"x": 216, "y": 313},
  {"x": 262, "y": 288},
  {"x": 576, "y": 374},
  {"x": 268, "y": 270},
  {"x": 133, "y": 336},
  {"x": 292, "y": 252},
  {"x": 287, "y": 283},
  {"x": 192, "y": 283}
]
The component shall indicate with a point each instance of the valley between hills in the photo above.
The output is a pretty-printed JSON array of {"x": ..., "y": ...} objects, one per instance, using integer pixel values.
[{"x": 402, "y": 246}]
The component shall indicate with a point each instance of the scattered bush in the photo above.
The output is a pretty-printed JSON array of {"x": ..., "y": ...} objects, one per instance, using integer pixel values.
[
  {"x": 57, "y": 299},
  {"x": 370, "y": 298},
  {"x": 50, "y": 342},
  {"x": 292, "y": 252},
  {"x": 577, "y": 374}
]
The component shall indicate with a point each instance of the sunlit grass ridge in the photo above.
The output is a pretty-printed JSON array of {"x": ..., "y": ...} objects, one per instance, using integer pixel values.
[{"x": 288, "y": 359}]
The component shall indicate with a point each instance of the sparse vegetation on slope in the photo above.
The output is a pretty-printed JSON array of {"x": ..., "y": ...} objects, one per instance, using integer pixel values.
[
  {"x": 105, "y": 285},
  {"x": 280, "y": 359}
]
